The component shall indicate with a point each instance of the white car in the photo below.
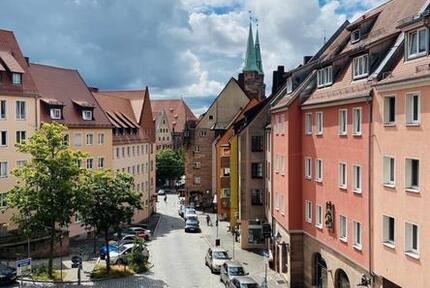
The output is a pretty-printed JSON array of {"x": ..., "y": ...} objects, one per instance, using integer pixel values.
[
  {"x": 215, "y": 258},
  {"x": 190, "y": 212},
  {"x": 120, "y": 256}
]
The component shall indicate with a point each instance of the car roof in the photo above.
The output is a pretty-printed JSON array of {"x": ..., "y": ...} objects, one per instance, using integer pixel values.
[
  {"x": 233, "y": 264},
  {"x": 219, "y": 250},
  {"x": 245, "y": 280}
]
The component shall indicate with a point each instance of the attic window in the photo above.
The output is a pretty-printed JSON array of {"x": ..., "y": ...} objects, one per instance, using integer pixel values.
[
  {"x": 87, "y": 115},
  {"x": 416, "y": 43},
  {"x": 355, "y": 36},
  {"x": 55, "y": 113},
  {"x": 289, "y": 85},
  {"x": 16, "y": 78},
  {"x": 325, "y": 76}
]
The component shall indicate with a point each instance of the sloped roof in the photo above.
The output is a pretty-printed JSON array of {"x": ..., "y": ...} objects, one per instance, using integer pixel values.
[
  {"x": 11, "y": 58},
  {"x": 177, "y": 112},
  {"x": 68, "y": 88}
]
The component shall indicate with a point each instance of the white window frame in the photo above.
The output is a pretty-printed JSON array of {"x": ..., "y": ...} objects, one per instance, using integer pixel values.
[
  {"x": 100, "y": 160},
  {"x": 386, "y": 231},
  {"x": 308, "y": 168},
  {"x": 87, "y": 115},
  {"x": 4, "y": 169},
  {"x": 408, "y": 176},
  {"x": 355, "y": 39},
  {"x": 343, "y": 230},
  {"x": 319, "y": 122},
  {"x": 75, "y": 137},
  {"x": 342, "y": 172},
  {"x": 357, "y": 183},
  {"x": 308, "y": 123},
  {"x": 386, "y": 180},
  {"x": 87, "y": 137},
  {"x": 289, "y": 85},
  {"x": 90, "y": 160},
  {"x": 319, "y": 215},
  {"x": 282, "y": 164},
  {"x": 325, "y": 76},
  {"x": 3, "y": 132},
  {"x": 101, "y": 139},
  {"x": 409, "y": 107},
  {"x": 343, "y": 117},
  {"x": 3, "y": 197},
  {"x": 357, "y": 124},
  {"x": 282, "y": 123},
  {"x": 409, "y": 249},
  {"x": 3, "y": 109},
  {"x": 359, "y": 60},
  {"x": 308, "y": 211},
  {"x": 318, "y": 170},
  {"x": 21, "y": 113},
  {"x": 55, "y": 113},
  {"x": 16, "y": 78},
  {"x": 387, "y": 110},
  {"x": 357, "y": 239},
  {"x": 417, "y": 54},
  {"x": 21, "y": 136},
  {"x": 197, "y": 180}
]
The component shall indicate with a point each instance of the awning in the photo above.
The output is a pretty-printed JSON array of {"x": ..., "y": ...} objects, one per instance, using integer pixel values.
[{"x": 11, "y": 62}]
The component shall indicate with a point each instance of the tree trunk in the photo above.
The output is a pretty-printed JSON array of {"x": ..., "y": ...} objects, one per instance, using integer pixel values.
[
  {"x": 95, "y": 242},
  {"x": 51, "y": 251},
  {"x": 107, "y": 250}
]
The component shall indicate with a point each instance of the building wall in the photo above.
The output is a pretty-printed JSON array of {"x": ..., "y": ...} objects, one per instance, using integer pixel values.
[
  {"x": 333, "y": 149},
  {"x": 268, "y": 175},
  {"x": 163, "y": 135},
  {"x": 234, "y": 182},
  {"x": 9, "y": 153},
  {"x": 401, "y": 142}
]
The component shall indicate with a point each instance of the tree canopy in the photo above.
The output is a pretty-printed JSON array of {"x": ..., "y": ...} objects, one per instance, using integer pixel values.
[{"x": 170, "y": 165}]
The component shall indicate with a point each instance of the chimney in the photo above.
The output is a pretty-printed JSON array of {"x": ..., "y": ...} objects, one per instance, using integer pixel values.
[
  {"x": 27, "y": 60},
  {"x": 306, "y": 59},
  {"x": 93, "y": 89},
  {"x": 278, "y": 79}
]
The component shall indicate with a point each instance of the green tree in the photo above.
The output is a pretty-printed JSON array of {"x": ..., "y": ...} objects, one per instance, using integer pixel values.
[
  {"x": 47, "y": 185},
  {"x": 170, "y": 165},
  {"x": 107, "y": 201}
]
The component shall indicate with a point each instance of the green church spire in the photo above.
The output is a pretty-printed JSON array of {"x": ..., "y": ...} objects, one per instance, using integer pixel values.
[
  {"x": 251, "y": 57},
  {"x": 258, "y": 53}
]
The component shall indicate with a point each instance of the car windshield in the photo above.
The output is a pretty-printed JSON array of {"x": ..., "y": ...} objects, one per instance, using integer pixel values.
[
  {"x": 122, "y": 249},
  {"x": 249, "y": 285},
  {"x": 221, "y": 255},
  {"x": 236, "y": 271},
  {"x": 192, "y": 218}
]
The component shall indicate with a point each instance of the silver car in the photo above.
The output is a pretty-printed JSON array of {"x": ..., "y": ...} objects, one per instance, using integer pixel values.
[
  {"x": 215, "y": 257},
  {"x": 242, "y": 282},
  {"x": 231, "y": 269}
]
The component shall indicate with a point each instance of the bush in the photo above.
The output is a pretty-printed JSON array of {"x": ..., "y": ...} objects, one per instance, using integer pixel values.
[
  {"x": 138, "y": 258},
  {"x": 117, "y": 271},
  {"x": 40, "y": 273}
]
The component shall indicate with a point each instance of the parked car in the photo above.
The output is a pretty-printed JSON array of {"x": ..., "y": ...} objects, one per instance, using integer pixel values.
[
  {"x": 120, "y": 256},
  {"x": 161, "y": 192},
  {"x": 113, "y": 246},
  {"x": 229, "y": 270},
  {"x": 7, "y": 275},
  {"x": 192, "y": 225},
  {"x": 215, "y": 257},
  {"x": 242, "y": 282},
  {"x": 189, "y": 212},
  {"x": 138, "y": 231}
]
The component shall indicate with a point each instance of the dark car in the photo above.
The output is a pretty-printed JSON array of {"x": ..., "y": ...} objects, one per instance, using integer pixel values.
[{"x": 7, "y": 275}]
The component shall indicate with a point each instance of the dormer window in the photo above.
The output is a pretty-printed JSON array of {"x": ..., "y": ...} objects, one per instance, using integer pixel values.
[
  {"x": 325, "y": 76},
  {"x": 16, "y": 78},
  {"x": 55, "y": 113},
  {"x": 417, "y": 43},
  {"x": 289, "y": 85},
  {"x": 355, "y": 36},
  {"x": 360, "y": 66},
  {"x": 87, "y": 115}
]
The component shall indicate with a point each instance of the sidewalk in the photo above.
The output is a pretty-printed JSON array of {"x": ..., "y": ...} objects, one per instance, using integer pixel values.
[{"x": 253, "y": 263}]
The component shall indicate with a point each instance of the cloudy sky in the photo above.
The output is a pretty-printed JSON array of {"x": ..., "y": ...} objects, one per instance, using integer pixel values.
[{"x": 179, "y": 48}]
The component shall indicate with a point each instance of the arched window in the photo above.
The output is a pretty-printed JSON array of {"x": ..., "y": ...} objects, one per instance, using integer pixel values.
[
  {"x": 320, "y": 271},
  {"x": 342, "y": 280}
]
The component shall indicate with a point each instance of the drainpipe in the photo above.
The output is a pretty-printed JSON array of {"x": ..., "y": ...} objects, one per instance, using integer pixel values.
[{"x": 370, "y": 194}]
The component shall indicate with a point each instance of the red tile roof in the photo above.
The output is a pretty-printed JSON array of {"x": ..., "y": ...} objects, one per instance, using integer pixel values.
[
  {"x": 177, "y": 111},
  {"x": 66, "y": 87}
]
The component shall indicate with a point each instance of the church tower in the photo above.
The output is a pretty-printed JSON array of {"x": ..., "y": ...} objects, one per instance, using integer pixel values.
[{"x": 252, "y": 77}]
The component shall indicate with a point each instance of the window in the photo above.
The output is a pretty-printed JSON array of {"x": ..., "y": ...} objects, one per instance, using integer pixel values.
[
  {"x": 389, "y": 110},
  {"x": 308, "y": 123},
  {"x": 356, "y": 121},
  {"x": 360, "y": 67},
  {"x": 101, "y": 139},
  {"x": 325, "y": 76},
  {"x": 342, "y": 175},
  {"x": 357, "y": 234},
  {"x": 308, "y": 211},
  {"x": 343, "y": 228},
  {"x": 66, "y": 139},
  {"x": 203, "y": 133},
  {"x": 388, "y": 231},
  {"x": 289, "y": 85},
  {"x": 3, "y": 169},
  {"x": 20, "y": 136},
  {"x": 3, "y": 109},
  {"x": 319, "y": 216},
  {"x": 196, "y": 180},
  {"x": 133, "y": 151},
  {"x": 389, "y": 168},
  {"x": 123, "y": 152},
  {"x": 20, "y": 110},
  {"x": 257, "y": 143},
  {"x": 282, "y": 164},
  {"x": 196, "y": 148},
  {"x": 319, "y": 123},
  {"x": 87, "y": 115},
  {"x": 356, "y": 182},
  {"x": 256, "y": 197},
  {"x": 197, "y": 165},
  {"x": 20, "y": 163},
  {"x": 411, "y": 239},
  {"x": 90, "y": 139},
  {"x": 318, "y": 170},
  {"x": 211, "y": 117},
  {"x": 128, "y": 151},
  {"x": 412, "y": 175},
  {"x": 3, "y": 197},
  {"x": 308, "y": 167},
  {"x": 225, "y": 193},
  {"x": 16, "y": 78},
  {"x": 225, "y": 172},
  {"x": 78, "y": 139},
  {"x": 412, "y": 109},
  {"x": 355, "y": 36},
  {"x": 3, "y": 138},
  {"x": 416, "y": 43},
  {"x": 257, "y": 170},
  {"x": 100, "y": 162},
  {"x": 55, "y": 113},
  {"x": 343, "y": 122},
  {"x": 90, "y": 163},
  {"x": 282, "y": 123}
]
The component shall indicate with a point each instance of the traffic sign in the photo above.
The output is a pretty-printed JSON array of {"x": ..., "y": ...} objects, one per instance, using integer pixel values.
[{"x": 23, "y": 267}]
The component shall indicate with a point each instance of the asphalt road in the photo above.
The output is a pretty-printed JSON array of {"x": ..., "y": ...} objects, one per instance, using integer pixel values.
[{"x": 178, "y": 257}]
